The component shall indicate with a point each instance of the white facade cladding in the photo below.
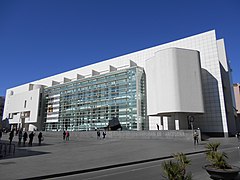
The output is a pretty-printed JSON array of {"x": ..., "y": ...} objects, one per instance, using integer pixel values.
[
  {"x": 178, "y": 86},
  {"x": 25, "y": 109},
  {"x": 200, "y": 93}
]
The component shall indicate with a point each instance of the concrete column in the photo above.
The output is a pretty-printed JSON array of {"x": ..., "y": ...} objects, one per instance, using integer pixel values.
[
  {"x": 180, "y": 121},
  {"x": 176, "y": 121},
  {"x": 161, "y": 123},
  {"x": 171, "y": 123},
  {"x": 165, "y": 123},
  {"x": 177, "y": 124}
]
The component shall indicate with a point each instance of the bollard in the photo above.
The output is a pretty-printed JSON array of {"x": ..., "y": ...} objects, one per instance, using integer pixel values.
[
  {"x": 1, "y": 145},
  {"x": 3, "y": 149},
  {"x": 13, "y": 149},
  {"x": 9, "y": 148}
]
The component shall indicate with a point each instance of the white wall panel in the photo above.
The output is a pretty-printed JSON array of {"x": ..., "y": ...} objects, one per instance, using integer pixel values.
[{"x": 174, "y": 82}]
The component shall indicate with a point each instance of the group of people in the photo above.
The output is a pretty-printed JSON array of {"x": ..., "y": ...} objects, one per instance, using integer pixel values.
[
  {"x": 66, "y": 135},
  {"x": 99, "y": 134},
  {"x": 24, "y": 136}
]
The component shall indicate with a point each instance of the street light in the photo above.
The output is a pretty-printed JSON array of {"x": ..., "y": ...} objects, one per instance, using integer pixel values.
[{"x": 191, "y": 120}]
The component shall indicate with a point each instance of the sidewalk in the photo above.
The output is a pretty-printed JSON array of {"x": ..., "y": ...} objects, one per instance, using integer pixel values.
[{"x": 57, "y": 156}]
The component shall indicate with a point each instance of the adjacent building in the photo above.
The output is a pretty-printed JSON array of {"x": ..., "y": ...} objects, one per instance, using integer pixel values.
[
  {"x": 236, "y": 88},
  {"x": 183, "y": 84},
  {"x": 1, "y": 106}
]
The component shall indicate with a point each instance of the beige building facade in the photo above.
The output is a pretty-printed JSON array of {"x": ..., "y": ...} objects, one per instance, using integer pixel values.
[{"x": 236, "y": 88}]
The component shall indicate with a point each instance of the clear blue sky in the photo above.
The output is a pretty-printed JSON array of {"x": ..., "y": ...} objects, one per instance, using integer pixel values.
[{"x": 47, "y": 37}]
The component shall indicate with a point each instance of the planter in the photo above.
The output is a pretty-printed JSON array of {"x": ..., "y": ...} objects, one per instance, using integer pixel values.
[{"x": 224, "y": 174}]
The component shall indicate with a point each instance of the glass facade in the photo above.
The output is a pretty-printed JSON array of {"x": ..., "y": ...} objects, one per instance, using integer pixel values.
[{"x": 90, "y": 103}]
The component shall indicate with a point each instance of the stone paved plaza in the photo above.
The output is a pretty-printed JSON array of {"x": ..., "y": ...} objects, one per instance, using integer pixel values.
[{"x": 56, "y": 156}]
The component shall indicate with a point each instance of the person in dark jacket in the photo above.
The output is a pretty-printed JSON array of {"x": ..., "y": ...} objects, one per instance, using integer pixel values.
[
  {"x": 20, "y": 135},
  {"x": 98, "y": 134},
  {"x": 40, "y": 138},
  {"x": 25, "y": 136},
  {"x": 11, "y": 136},
  {"x": 0, "y": 134},
  {"x": 104, "y": 134},
  {"x": 64, "y": 135},
  {"x": 31, "y": 135}
]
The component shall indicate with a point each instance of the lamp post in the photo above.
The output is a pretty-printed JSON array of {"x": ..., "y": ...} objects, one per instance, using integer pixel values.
[{"x": 191, "y": 120}]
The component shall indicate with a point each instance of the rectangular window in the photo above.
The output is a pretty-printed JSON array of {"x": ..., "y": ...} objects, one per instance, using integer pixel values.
[{"x": 25, "y": 103}]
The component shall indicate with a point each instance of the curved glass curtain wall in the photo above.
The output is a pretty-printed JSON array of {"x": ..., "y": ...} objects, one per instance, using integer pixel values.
[{"x": 90, "y": 103}]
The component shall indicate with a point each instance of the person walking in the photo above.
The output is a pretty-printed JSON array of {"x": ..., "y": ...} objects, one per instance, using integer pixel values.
[
  {"x": 17, "y": 131},
  {"x": 11, "y": 136},
  {"x": 25, "y": 136},
  {"x": 104, "y": 134},
  {"x": 98, "y": 134},
  {"x": 238, "y": 135},
  {"x": 0, "y": 134},
  {"x": 31, "y": 135},
  {"x": 64, "y": 135},
  {"x": 40, "y": 138},
  {"x": 195, "y": 137},
  {"x": 20, "y": 135},
  {"x": 67, "y": 136}
]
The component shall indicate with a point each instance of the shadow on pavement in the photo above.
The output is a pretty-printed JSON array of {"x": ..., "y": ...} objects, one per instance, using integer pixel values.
[{"x": 20, "y": 150}]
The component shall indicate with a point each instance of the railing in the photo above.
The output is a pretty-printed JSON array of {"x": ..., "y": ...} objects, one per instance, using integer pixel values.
[{"x": 6, "y": 149}]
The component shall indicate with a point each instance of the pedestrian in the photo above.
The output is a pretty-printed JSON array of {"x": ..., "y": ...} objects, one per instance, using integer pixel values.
[
  {"x": 11, "y": 136},
  {"x": 195, "y": 137},
  {"x": 25, "y": 136},
  {"x": 64, "y": 135},
  {"x": 67, "y": 135},
  {"x": 40, "y": 138},
  {"x": 31, "y": 135},
  {"x": 0, "y": 134},
  {"x": 238, "y": 135},
  {"x": 98, "y": 134},
  {"x": 17, "y": 131},
  {"x": 20, "y": 135},
  {"x": 104, "y": 134}
]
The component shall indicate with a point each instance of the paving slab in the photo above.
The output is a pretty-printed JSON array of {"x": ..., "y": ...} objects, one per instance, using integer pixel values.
[{"x": 56, "y": 156}]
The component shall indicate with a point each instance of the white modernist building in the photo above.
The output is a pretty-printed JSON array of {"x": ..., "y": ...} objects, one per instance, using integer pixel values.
[{"x": 183, "y": 84}]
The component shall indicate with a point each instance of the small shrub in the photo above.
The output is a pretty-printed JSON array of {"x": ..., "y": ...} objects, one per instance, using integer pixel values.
[
  {"x": 176, "y": 170},
  {"x": 216, "y": 158}
]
